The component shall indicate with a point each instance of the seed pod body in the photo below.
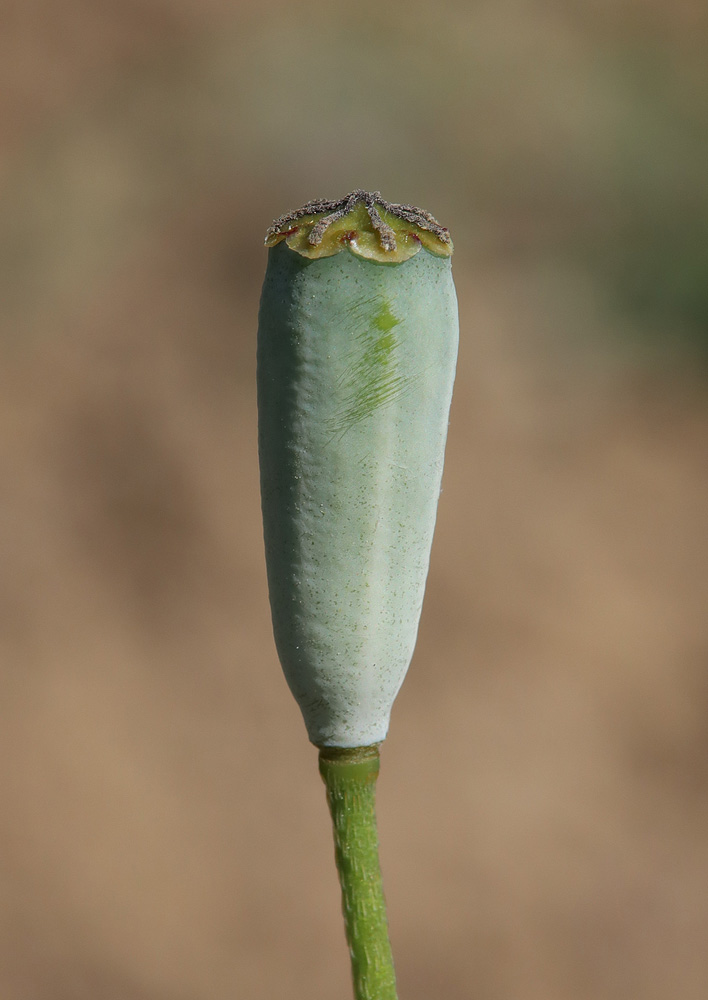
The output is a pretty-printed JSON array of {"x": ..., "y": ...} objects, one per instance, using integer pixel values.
[{"x": 356, "y": 362}]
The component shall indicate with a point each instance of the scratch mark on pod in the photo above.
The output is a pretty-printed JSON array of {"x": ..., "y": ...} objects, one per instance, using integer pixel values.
[{"x": 371, "y": 379}]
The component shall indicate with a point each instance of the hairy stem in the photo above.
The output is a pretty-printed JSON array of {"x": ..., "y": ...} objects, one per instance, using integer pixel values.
[{"x": 350, "y": 777}]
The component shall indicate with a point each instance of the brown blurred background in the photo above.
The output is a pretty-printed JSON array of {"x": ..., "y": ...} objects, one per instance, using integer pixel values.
[{"x": 543, "y": 799}]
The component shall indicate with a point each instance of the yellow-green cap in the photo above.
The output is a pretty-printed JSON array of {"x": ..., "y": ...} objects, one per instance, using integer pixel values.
[{"x": 363, "y": 223}]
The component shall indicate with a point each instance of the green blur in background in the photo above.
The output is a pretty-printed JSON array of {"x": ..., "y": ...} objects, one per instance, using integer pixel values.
[{"x": 542, "y": 806}]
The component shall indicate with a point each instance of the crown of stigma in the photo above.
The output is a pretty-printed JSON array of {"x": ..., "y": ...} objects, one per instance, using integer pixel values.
[{"x": 364, "y": 223}]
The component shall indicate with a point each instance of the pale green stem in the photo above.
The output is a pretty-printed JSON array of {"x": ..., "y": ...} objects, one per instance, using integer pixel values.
[{"x": 350, "y": 777}]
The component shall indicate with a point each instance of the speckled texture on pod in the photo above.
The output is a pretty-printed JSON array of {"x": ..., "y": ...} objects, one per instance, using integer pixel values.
[{"x": 356, "y": 363}]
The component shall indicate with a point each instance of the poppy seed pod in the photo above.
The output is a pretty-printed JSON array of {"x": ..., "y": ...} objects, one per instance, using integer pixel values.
[{"x": 357, "y": 346}]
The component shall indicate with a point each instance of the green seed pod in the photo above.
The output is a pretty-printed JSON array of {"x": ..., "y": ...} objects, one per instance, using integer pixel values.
[{"x": 357, "y": 345}]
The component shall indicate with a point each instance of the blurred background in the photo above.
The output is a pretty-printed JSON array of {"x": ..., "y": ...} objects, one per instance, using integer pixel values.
[{"x": 542, "y": 806}]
